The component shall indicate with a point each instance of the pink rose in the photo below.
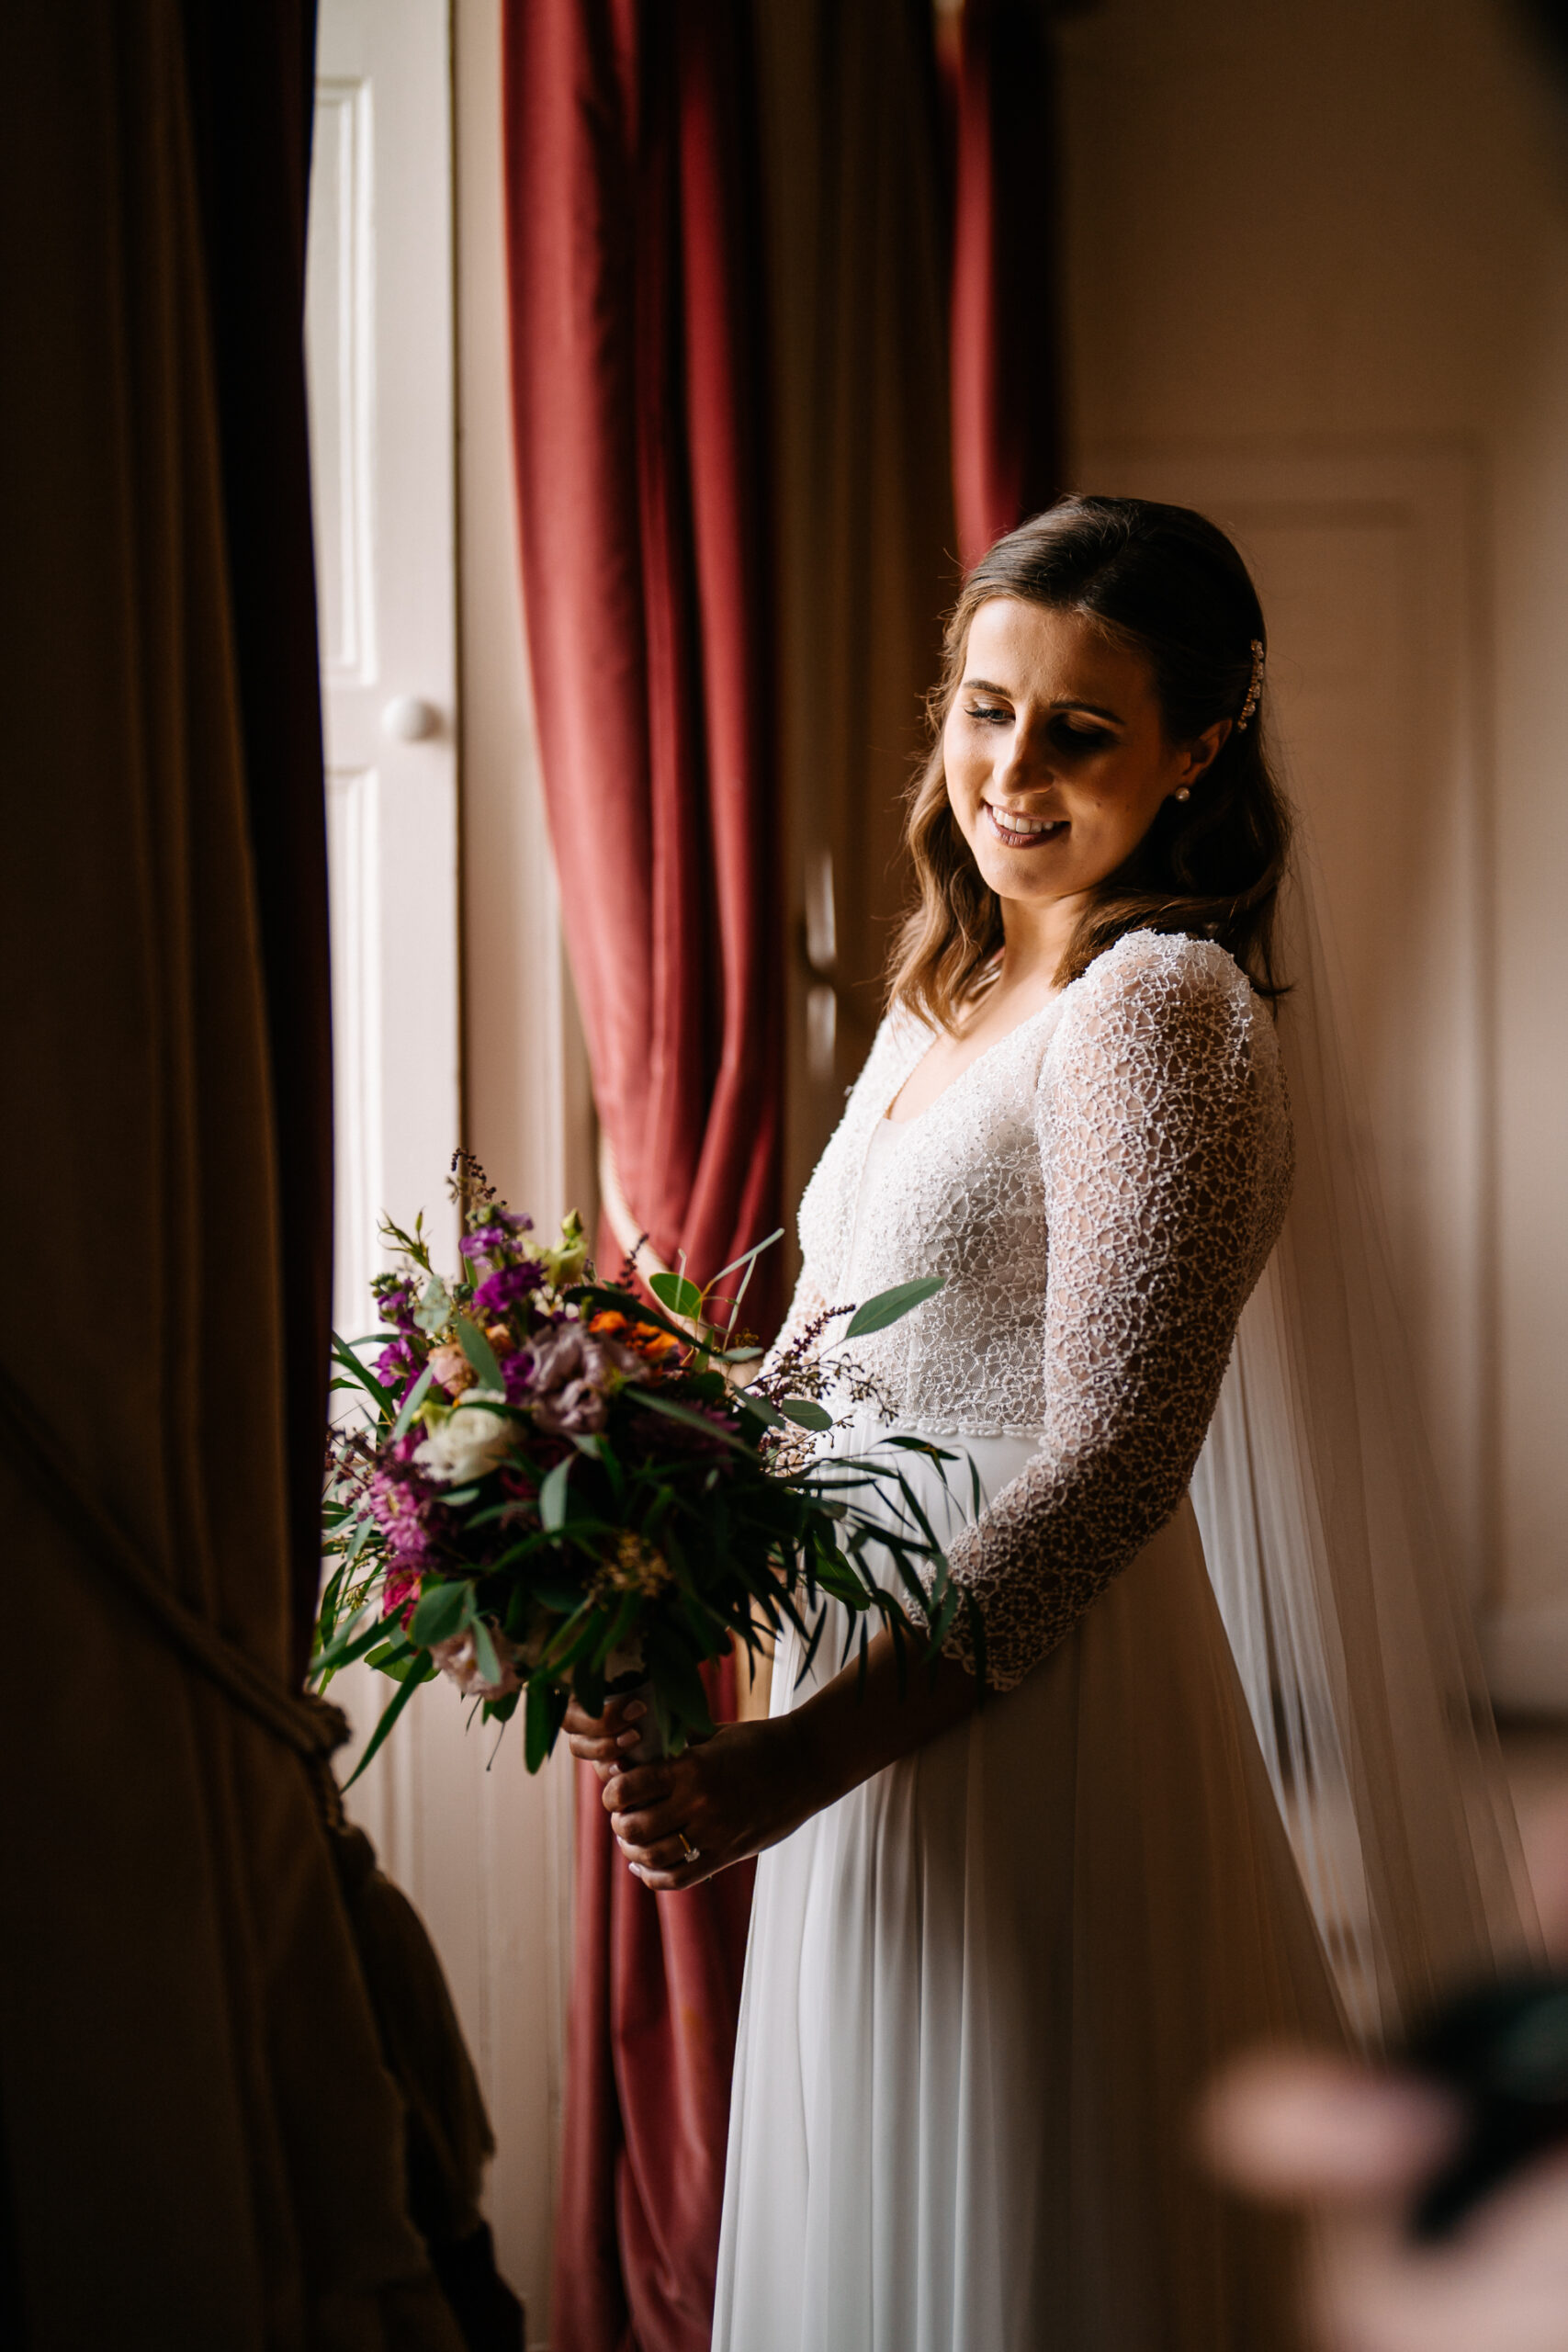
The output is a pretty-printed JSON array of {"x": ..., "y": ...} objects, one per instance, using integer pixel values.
[{"x": 457, "y": 1657}]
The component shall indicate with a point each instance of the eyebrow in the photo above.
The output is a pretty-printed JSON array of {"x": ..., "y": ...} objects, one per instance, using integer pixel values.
[{"x": 1097, "y": 709}]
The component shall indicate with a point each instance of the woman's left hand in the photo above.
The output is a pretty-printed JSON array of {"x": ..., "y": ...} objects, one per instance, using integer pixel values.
[{"x": 729, "y": 1798}]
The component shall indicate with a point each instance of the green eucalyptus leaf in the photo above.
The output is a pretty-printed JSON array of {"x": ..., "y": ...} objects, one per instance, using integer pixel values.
[
  {"x": 412, "y": 1403},
  {"x": 480, "y": 1354},
  {"x": 444, "y": 1611},
  {"x": 486, "y": 1656},
  {"x": 892, "y": 1306},
  {"x": 552, "y": 1496},
  {"x": 804, "y": 1413},
  {"x": 433, "y": 1312},
  {"x": 674, "y": 1291},
  {"x": 545, "y": 1708}
]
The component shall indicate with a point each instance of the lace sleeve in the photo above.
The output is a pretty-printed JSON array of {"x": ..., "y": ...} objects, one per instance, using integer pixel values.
[{"x": 1165, "y": 1163}]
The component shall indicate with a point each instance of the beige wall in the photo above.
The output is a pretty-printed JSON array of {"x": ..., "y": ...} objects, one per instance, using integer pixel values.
[{"x": 1333, "y": 237}]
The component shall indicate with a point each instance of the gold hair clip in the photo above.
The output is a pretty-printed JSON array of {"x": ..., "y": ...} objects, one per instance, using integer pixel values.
[{"x": 1256, "y": 687}]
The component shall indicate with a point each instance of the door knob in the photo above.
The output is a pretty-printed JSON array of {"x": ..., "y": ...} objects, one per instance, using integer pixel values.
[{"x": 410, "y": 720}]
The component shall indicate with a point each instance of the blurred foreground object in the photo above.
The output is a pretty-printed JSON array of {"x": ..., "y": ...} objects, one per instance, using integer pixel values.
[{"x": 1361, "y": 2151}]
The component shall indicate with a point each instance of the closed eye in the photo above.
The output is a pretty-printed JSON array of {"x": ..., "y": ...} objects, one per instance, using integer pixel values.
[
  {"x": 1073, "y": 735},
  {"x": 992, "y": 712}
]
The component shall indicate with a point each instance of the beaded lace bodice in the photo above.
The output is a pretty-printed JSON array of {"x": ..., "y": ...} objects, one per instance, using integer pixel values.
[{"x": 1100, "y": 1190}]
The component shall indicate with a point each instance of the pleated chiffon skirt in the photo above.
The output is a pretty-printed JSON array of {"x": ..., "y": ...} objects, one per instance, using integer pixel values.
[{"x": 984, "y": 1993}]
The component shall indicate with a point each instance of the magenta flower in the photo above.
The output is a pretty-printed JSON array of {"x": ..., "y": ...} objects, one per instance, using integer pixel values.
[
  {"x": 508, "y": 1286},
  {"x": 395, "y": 1299},
  {"x": 398, "y": 1363},
  {"x": 404, "y": 1506}
]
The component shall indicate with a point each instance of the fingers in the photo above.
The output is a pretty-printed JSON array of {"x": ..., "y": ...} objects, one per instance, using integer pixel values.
[
  {"x": 650, "y": 1823},
  {"x": 1312, "y": 2130},
  {"x": 659, "y": 1853},
  {"x": 603, "y": 1739},
  {"x": 643, "y": 1785},
  {"x": 677, "y": 1877}
]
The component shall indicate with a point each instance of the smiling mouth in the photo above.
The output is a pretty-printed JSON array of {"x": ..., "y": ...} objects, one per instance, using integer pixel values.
[{"x": 1023, "y": 832}]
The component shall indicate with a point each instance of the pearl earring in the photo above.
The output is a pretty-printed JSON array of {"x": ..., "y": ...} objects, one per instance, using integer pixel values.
[{"x": 1184, "y": 794}]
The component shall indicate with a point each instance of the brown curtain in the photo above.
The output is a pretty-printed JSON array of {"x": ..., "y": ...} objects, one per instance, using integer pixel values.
[
  {"x": 639, "y": 398},
  {"x": 1006, "y": 400},
  {"x": 251, "y": 72},
  {"x": 203, "y": 2144},
  {"x": 857, "y": 274}
]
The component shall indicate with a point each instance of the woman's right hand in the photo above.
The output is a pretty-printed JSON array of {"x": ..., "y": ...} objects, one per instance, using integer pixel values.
[{"x": 603, "y": 1740}]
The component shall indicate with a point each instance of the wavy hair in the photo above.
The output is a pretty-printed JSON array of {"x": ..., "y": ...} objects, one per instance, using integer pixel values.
[{"x": 1167, "y": 585}]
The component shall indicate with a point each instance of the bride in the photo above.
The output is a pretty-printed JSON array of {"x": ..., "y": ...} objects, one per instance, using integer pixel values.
[{"x": 1009, "y": 1918}]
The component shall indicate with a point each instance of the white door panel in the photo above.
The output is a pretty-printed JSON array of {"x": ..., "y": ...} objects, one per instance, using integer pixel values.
[
  {"x": 378, "y": 342},
  {"x": 473, "y": 1849}
]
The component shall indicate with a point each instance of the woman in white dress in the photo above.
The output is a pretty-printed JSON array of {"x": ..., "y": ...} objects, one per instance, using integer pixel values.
[{"x": 1000, "y": 1941}]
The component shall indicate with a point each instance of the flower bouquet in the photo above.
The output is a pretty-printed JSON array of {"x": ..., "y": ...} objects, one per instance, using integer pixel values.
[{"x": 558, "y": 1485}]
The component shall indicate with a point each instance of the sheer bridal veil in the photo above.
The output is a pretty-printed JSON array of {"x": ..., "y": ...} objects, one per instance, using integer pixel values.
[{"x": 1327, "y": 1553}]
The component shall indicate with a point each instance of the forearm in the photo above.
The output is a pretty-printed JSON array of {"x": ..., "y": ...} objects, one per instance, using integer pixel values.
[{"x": 863, "y": 1720}]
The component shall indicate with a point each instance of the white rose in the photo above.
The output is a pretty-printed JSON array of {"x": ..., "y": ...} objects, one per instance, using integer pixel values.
[{"x": 467, "y": 1442}]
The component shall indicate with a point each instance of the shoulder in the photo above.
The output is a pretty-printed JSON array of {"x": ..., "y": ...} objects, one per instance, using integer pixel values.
[
  {"x": 1156, "y": 979},
  {"x": 1163, "y": 1000},
  {"x": 901, "y": 1036}
]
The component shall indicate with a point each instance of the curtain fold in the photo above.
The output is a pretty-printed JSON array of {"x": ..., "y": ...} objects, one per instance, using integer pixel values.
[
  {"x": 858, "y": 272},
  {"x": 638, "y": 391},
  {"x": 641, "y": 433},
  {"x": 203, "y": 2146},
  {"x": 1007, "y": 455},
  {"x": 251, "y": 72}
]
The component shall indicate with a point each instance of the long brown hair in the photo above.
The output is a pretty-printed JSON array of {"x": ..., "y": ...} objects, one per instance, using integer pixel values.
[{"x": 1167, "y": 583}]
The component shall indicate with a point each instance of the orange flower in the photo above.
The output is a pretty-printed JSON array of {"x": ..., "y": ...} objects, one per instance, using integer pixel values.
[{"x": 646, "y": 1338}]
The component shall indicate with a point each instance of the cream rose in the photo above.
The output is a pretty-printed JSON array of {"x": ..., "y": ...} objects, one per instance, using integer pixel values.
[{"x": 467, "y": 1442}]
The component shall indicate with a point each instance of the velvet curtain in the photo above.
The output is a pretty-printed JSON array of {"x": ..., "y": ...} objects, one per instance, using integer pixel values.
[
  {"x": 1007, "y": 455},
  {"x": 650, "y": 424},
  {"x": 251, "y": 72},
  {"x": 202, "y": 2142},
  {"x": 639, "y": 399}
]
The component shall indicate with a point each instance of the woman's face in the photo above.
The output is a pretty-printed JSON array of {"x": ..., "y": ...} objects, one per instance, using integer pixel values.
[{"x": 1056, "y": 751}]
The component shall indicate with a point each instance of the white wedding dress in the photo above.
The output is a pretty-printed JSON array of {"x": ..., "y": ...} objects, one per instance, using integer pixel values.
[{"x": 983, "y": 1991}]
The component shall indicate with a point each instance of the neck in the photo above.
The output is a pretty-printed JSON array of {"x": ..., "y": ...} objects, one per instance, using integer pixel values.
[{"x": 1034, "y": 939}]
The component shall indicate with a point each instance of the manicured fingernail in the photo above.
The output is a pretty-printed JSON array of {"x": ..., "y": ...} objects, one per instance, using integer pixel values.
[{"x": 634, "y": 1713}]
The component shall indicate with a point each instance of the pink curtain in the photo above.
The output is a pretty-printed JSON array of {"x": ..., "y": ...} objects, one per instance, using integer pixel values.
[
  {"x": 640, "y": 436},
  {"x": 1005, "y": 403}
]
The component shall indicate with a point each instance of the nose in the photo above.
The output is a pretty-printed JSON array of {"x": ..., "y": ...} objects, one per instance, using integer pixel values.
[{"x": 1023, "y": 764}]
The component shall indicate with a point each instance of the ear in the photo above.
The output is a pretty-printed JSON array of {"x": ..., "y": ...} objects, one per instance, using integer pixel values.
[{"x": 1202, "y": 753}]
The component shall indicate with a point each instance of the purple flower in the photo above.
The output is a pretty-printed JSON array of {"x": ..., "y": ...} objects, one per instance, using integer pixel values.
[
  {"x": 394, "y": 1296},
  {"x": 508, "y": 1287},
  {"x": 498, "y": 1235},
  {"x": 404, "y": 1507},
  {"x": 398, "y": 1362}
]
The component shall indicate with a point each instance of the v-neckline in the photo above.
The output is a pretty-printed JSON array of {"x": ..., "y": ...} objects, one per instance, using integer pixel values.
[{"x": 1051, "y": 1004}]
